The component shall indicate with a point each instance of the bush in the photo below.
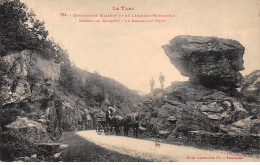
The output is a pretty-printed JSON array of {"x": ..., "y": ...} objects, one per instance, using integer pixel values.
[
  {"x": 19, "y": 30},
  {"x": 14, "y": 145},
  {"x": 9, "y": 115}
]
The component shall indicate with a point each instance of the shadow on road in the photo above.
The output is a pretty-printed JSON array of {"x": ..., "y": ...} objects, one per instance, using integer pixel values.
[{"x": 81, "y": 150}]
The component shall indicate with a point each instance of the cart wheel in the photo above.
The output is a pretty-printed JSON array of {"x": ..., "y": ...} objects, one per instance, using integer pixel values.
[
  {"x": 120, "y": 131},
  {"x": 99, "y": 129},
  {"x": 107, "y": 129}
]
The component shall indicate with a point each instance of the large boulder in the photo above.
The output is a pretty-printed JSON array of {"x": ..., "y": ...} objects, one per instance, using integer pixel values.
[
  {"x": 210, "y": 61},
  {"x": 32, "y": 130}
]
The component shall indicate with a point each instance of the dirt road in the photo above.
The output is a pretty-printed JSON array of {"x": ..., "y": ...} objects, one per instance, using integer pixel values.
[{"x": 146, "y": 149}]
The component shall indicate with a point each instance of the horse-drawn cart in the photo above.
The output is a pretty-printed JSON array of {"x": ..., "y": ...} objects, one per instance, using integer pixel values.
[
  {"x": 109, "y": 128},
  {"x": 102, "y": 125}
]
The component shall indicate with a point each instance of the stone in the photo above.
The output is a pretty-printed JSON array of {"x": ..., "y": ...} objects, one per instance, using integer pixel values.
[
  {"x": 163, "y": 132},
  {"x": 212, "y": 107},
  {"x": 25, "y": 159},
  {"x": 239, "y": 107},
  {"x": 213, "y": 62},
  {"x": 214, "y": 117},
  {"x": 142, "y": 128},
  {"x": 31, "y": 129},
  {"x": 247, "y": 122},
  {"x": 227, "y": 105},
  {"x": 42, "y": 121},
  {"x": 56, "y": 155},
  {"x": 243, "y": 126},
  {"x": 205, "y": 113},
  {"x": 64, "y": 145},
  {"x": 34, "y": 156},
  {"x": 225, "y": 115}
]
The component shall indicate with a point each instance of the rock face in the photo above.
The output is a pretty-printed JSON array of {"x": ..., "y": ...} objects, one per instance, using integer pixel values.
[
  {"x": 251, "y": 85},
  {"x": 34, "y": 87},
  {"x": 29, "y": 88},
  {"x": 213, "y": 62},
  {"x": 26, "y": 75},
  {"x": 194, "y": 107}
]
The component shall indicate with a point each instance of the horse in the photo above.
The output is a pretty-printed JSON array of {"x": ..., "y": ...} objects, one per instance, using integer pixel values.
[
  {"x": 116, "y": 121},
  {"x": 131, "y": 121}
]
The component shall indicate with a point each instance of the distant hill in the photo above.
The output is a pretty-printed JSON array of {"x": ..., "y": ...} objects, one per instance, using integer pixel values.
[{"x": 97, "y": 90}]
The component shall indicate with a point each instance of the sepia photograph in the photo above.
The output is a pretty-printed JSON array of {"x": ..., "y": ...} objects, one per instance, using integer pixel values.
[{"x": 130, "y": 81}]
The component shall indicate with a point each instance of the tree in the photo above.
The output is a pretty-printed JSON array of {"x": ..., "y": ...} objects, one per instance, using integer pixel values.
[{"x": 20, "y": 29}]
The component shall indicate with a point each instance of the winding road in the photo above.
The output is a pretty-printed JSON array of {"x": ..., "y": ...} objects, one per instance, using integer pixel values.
[{"x": 154, "y": 151}]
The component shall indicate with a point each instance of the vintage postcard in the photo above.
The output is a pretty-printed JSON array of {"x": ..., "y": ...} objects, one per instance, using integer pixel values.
[{"x": 130, "y": 80}]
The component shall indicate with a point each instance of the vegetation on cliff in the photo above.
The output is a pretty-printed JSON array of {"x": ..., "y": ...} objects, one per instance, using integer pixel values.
[{"x": 39, "y": 82}]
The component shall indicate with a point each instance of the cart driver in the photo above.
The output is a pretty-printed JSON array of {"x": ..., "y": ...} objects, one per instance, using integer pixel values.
[{"x": 109, "y": 114}]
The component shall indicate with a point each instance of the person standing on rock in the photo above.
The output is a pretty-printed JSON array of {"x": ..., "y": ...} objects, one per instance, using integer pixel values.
[
  {"x": 161, "y": 79},
  {"x": 152, "y": 84}
]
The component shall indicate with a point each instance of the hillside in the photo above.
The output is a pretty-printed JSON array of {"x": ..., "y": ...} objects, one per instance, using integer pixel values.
[
  {"x": 32, "y": 87},
  {"x": 41, "y": 89}
]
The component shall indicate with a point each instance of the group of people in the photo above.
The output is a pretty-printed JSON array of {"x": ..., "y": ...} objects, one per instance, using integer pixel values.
[
  {"x": 110, "y": 112},
  {"x": 161, "y": 79},
  {"x": 130, "y": 120}
]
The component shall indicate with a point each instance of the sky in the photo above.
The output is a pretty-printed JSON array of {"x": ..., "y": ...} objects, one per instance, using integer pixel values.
[{"x": 131, "y": 53}]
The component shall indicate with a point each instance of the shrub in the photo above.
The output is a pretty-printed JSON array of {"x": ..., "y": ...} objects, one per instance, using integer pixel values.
[
  {"x": 14, "y": 145},
  {"x": 9, "y": 115},
  {"x": 20, "y": 29}
]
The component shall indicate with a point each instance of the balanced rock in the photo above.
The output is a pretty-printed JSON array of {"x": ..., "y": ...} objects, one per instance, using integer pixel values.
[{"x": 212, "y": 62}]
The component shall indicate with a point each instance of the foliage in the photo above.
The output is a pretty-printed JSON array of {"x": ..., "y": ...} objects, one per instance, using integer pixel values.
[
  {"x": 20, "y": 29},
  {"x": 9, "y": 115},
  {"x": 95, "y": 89},
  {"x": 15, "y": 145}
]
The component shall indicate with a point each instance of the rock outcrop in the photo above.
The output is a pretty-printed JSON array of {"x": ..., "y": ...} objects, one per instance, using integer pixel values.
[
  {"x": 194, "y": 107},
  {"x": 251, "y": 85},
  {"x": 213, "y": 62},
  {"x": 32, "y": 130},
  {"x": 30, "y": 88},
  {"x": 26, "y": 75},
  {"x": 40, "y": 89},
  {"x": 203, "y": 103}
]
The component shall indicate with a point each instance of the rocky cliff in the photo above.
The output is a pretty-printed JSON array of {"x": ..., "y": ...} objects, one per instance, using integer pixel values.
[
  {"x": 32, "y": 87},
  {"x": 26, "y": 75},
  {"x": 203, "y": 103}
]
